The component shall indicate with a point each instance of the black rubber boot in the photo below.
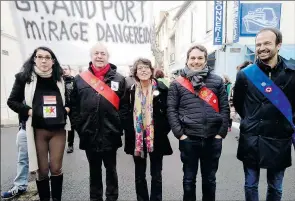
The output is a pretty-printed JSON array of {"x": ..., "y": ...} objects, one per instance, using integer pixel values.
[
  {"x": 43, "y": 189},
  {"x": 56, "y": 187}
]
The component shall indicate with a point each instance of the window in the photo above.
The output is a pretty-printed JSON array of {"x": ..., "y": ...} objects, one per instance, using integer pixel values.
[{"x": 209, "y": 15}]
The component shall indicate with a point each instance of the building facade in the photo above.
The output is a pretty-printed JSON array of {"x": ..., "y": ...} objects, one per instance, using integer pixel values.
[{"x": 203, "y": 22}]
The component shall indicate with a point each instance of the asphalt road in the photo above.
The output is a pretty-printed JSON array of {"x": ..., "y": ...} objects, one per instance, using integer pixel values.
[{"x": 230, "y": 176}]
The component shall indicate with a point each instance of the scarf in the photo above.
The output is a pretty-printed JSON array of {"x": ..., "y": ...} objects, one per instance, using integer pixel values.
[
  {"x": 196, "y": 77},
  {"x": 100, "y": 73},
  {"x": 143, "y": 119},
  {"x": 42, "y": 74},
  {"x": 29, "y": 95}
]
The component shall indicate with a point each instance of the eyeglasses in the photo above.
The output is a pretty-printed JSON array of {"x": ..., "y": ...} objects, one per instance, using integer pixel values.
[
  {"x": 47, "y": 58},
  {"x": 141, "y": 68}
]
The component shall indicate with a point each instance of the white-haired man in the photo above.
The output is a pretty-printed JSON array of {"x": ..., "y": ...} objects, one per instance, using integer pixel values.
[{"x": 97, "y": 112}]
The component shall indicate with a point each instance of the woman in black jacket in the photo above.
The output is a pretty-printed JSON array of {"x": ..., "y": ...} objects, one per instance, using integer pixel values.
[
  {"x": 146, "y": 128},
  {"x": 41, "y": 85}
]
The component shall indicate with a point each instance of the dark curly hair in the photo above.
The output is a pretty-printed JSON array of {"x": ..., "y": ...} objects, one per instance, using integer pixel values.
[
  {"x": 142, "y": 61},
  {"x": 28, "y": 66},
  {"x": 159, "y": 74}
]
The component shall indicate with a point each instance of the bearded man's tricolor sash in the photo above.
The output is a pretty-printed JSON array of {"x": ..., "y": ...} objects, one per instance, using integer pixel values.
[
  {"x": 101, "y": 88},
  {"x": 205, "y": 94},
  {"x": 271, "y": 91}
]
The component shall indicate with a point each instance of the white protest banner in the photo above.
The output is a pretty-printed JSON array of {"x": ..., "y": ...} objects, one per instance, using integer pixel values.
[{"x": 71, "y": 28}]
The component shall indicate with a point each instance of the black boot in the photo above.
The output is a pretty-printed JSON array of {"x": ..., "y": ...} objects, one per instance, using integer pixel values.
[
  {"x": 56, "y": 187},
  {"x": 43, "y": 189}
]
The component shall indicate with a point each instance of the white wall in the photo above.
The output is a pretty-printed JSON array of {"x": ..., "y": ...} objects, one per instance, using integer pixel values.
[{"x": 10, "y": 64}]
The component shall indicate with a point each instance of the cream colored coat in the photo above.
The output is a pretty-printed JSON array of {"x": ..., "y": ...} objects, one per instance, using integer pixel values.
[{"x": 29, "y": 95}]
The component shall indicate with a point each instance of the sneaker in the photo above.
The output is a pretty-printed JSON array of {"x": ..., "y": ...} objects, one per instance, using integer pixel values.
[
  {"x": 12, "y": 193},
  {"x": 70, "y": 149}
]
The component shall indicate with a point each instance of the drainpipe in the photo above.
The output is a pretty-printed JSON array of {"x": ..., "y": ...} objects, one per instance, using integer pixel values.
[
  {"x": 225, "y": 37},
  {"x": 225, "y": 33}
]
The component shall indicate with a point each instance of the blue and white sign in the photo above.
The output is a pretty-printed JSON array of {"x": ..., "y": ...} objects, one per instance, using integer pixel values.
[
  {"x": 236, "y": 25},
  {"x": 256, "y": 16},
  {"x": 218, "y": 22}
]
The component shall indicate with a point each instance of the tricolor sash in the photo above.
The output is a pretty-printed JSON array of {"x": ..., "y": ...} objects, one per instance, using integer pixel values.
[
  {"x": 101, "y": 88},
  {"x": 271, "y": 91},
  {"x": 205, "y": 94}
]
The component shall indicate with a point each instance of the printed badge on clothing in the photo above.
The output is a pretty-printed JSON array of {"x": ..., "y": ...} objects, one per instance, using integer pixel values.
[
  {"x": 114, "y": 86},
  {"x": 49, "y": 111},
  {"x": 49, "y": 100}
]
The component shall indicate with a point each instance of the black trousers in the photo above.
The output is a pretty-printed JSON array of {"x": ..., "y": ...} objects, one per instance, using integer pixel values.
[
  {"x": 71, "y": 136},
  {"x": 156, "y": 162},
  {"x": 109, "y": 160},
  {"x": 206, "y": 151}
]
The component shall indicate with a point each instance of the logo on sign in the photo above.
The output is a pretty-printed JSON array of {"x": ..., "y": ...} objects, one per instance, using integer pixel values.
[{"x": 256, "y": 16}]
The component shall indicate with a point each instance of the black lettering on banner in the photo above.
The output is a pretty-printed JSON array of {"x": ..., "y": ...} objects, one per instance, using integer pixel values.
[
  {"x": 75, "y": 34},
  {"x": 93, "y": 6},
  {"x": 126, "y": 35},
  {"x": 122, "y": 17},
  {"x": 131, "y": 35},
  {"x": 33, "y": 27},
  {"x": 100, "y": 32},
  {"x": 52, "y": 27},
  {"x": 104, "y": 8},
  {"x": 136, "y": 35},
  {"x": 62, "y": 7},
  {"x": 63, "y": 31},
  {"x": 118, "y": 34},
  {"x": 44, "y": 5},
  {"x": 36, "y": 7},
  {"x": 109, "y": 33},
  {"x": 83, "y": 31},
  {"x": 129, "y": 10},
  {"x": 77, "y": 5},
  {"x": 140, "y": 35},
  {"x": 42, "y": 26},
  {"x": 147, "y": 35},
  {"x": 142, "y": 11},
  {"x": 27, "y": 8}
]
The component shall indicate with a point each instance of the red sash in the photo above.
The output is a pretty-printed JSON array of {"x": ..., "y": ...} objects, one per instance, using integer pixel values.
[
  {"x": 205, "y": 94},
  {"x": 101, "y": 88}
]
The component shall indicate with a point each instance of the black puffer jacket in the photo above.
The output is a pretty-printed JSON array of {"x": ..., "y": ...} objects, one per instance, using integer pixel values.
[
  {"x": 161, "y": 125},
  {"x": 190, "y": 115},
  {"x": 264, "y": 132},
  {"x": 96, "y": 120}
]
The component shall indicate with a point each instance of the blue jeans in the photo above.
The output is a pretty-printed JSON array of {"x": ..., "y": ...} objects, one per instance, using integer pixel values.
[
  {"x": 274, "y": 181},
  {"x": 21, "y": 179},
  {"x": 207, "y": 151}
]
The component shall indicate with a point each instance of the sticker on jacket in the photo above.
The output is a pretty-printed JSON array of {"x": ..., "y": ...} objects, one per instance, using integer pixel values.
[
  {"x": 49, "y": 111},
  {"x": 114, "y": 86},
  {"x": 49, "y": 100}
]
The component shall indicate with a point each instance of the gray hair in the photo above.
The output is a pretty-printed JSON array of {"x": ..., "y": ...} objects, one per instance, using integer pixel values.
[{"x": 99, "y": 44}]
